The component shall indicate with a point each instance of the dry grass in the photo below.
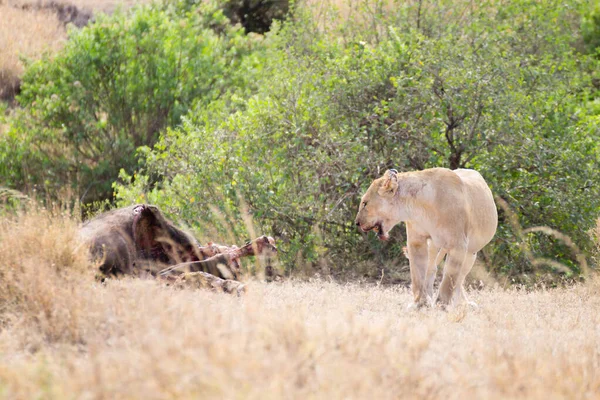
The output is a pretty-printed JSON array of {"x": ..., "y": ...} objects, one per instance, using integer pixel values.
[
  {"x": 107, "y": 6},
  {"x": 24, "y": 33},
  {"x": 37, "y": 286},
  {"x": 64, "y": 335},
  {"x": 30, "y": 27}
]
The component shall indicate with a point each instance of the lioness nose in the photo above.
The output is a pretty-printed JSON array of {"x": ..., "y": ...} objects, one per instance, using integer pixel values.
[{"x": 357, "y": 223}]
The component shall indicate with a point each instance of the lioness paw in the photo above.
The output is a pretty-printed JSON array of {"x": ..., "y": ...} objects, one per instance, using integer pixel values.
[{"x": 414, "y": 306}]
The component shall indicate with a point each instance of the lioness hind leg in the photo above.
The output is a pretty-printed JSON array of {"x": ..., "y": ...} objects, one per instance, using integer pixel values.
[
  {"x": 451, "y": 282},
  {"x": 435, "y": 257},
  {"x": 461, "y": 295}
]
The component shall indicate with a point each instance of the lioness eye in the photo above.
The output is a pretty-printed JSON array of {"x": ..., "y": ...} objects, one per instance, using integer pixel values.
[{"x": 364, "y": 204}]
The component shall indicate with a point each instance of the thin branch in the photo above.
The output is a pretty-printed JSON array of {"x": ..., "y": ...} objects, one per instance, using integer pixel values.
[{"x": 419, "y": 15}]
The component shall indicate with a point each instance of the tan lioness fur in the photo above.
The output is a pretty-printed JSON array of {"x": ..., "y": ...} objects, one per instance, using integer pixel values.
[{"x": 446, "y": 213}]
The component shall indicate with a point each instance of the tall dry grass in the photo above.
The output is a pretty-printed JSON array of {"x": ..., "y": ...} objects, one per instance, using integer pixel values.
[
  {"x": 107, "y": 6},
  {"x": 41, "y": 273},
  {"x": 65, "y": 335},
  {"x": 370, "y": 15},
  {"x": 24, "y": 33},
  {"x": 30, "y": 27}
]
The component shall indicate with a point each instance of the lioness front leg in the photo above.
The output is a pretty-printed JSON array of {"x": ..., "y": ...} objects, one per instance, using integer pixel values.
[
  {"x": 418, "y": 256},
  {"x": 453, "y": 279}
]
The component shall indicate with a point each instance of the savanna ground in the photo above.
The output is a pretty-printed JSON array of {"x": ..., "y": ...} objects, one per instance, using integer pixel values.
[{"x": 64, "y": 335}]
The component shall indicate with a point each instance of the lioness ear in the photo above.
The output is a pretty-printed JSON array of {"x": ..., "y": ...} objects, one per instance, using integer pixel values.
[{"x": 389, "y": 185}]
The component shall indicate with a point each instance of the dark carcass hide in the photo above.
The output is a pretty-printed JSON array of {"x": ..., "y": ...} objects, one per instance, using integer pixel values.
[
  {"x": 139, "y": 240},
  {"x": 132, "y": 239}
]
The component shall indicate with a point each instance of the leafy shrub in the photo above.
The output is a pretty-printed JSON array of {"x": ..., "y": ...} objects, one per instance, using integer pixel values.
[{"x": 116, "y": 85}]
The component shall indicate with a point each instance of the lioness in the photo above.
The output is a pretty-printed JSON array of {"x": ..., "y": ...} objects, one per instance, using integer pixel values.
[{"x": 446, "y": 212}]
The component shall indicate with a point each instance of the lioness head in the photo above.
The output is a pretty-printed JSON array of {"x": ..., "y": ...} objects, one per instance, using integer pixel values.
[{"x": 376, "y": 211}]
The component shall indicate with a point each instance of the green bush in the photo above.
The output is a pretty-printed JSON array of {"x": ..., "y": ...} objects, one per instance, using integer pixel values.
[{"x": 114, "y": 87}]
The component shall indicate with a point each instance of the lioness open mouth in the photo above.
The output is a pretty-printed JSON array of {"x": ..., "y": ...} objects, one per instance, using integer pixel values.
[{"x": 377, "y": 228}]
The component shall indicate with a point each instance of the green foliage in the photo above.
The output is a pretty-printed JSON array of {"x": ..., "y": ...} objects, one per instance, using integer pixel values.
[
  {"x": 114, "y": 87},
  {"x": 590, "y": 27},
  {"x": 498, "y": 90}
]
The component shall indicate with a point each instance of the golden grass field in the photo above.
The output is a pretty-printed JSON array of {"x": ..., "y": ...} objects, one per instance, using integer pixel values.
[{"x": 64, "y": 335}]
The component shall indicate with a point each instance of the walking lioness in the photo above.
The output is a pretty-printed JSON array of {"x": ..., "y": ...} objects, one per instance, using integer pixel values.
[{"x": 446, "y": 212}]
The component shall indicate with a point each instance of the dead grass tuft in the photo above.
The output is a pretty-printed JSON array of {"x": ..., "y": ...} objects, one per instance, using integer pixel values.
[
  {"x": 106, "y": 6},
  {"x": 42, "y": 269}
]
